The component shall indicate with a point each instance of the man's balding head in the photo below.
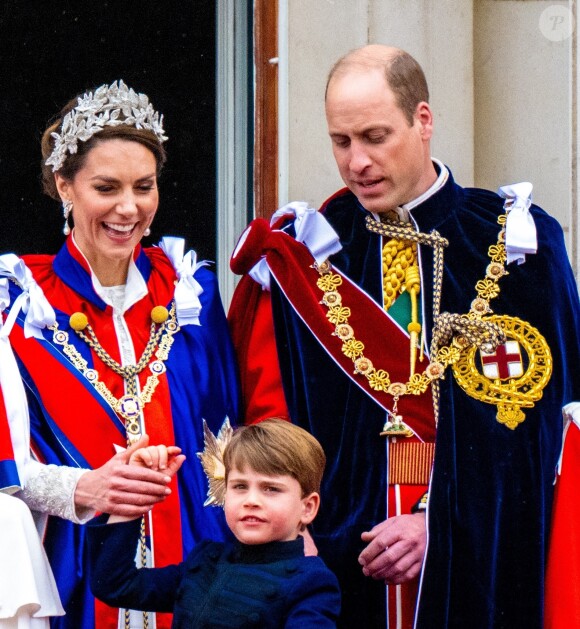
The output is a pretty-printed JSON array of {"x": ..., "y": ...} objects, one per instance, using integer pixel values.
[{"x": 402, "y": 73}]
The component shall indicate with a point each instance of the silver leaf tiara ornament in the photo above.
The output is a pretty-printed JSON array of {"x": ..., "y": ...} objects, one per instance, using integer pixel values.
[{"x": 110, "y": 106}]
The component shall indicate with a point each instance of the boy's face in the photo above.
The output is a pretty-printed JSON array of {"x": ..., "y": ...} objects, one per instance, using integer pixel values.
[{"x": 261, "y": 508}]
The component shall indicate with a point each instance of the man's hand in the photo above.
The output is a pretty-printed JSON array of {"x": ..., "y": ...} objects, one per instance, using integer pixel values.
[
  {"x": 396, "y": 549},
  {"x": 310, "y": 549},
  {"x": 122, "y": 489}
]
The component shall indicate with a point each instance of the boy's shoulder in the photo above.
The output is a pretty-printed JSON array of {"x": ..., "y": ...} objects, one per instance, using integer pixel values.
[
  {"x": 206, "y": 549},
  {"x": 310, "y": 569},
  {"x": 316, "y": 565}
]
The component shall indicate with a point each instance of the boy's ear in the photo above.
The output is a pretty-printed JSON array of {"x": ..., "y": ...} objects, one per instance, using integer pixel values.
[{"x": 310, "y": 506}]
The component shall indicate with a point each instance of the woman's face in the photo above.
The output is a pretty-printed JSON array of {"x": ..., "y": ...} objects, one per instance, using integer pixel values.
[{"x": 114, "y": 198}]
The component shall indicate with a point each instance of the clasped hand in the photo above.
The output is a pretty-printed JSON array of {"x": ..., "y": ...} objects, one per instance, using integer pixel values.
[
  {"x": 396, "y": 549},
  {"x": 127, "y": 490}
]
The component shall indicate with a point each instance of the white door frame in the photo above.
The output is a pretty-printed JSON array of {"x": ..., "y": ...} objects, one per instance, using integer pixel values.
[{"x": 233, "y": 152}]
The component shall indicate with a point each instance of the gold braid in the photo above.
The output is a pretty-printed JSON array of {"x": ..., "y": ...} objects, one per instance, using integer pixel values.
[
  {"x": 398, "y": 256},
  {"x": 405, "y": 231},
  {"x": 405, "y": 235}
]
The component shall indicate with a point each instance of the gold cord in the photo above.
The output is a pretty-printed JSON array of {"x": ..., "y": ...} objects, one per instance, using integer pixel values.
[
  {"x": 413, "y": 286},
  {"x": 401, "y": 273},
  {"x": 398, "y": 256}
]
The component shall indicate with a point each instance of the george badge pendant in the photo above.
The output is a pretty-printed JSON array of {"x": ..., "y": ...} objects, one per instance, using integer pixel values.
[
  {"x": 395, "y": 426},
  {"x": 513, "y": 376}
]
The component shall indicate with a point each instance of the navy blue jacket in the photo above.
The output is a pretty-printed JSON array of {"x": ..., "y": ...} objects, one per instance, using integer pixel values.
[{"x": 270, "y": 586}]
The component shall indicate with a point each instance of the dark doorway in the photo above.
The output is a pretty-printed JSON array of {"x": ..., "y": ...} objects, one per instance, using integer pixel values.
[{"x": 51, "y": 51}]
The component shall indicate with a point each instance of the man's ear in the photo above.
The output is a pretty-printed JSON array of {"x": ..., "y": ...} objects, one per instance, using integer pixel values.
[
  {"x": 424, "y": 117},
  {"x": 310, "y": 506}
]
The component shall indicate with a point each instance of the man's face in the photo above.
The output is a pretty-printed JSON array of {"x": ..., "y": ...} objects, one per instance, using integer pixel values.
[{"x": 383, "y": 159}]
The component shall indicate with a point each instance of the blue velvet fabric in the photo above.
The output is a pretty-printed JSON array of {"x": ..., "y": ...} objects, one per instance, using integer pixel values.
[
  {"x": 491, "y": 492},
  {"x": 268, "y": 586}
]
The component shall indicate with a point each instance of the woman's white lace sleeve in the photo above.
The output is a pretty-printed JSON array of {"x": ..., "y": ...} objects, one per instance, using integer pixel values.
[{"x": 50, "y": 489}]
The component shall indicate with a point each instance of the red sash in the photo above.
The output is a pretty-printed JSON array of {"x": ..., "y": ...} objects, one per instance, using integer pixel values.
[{"x": 291, "y": 265}]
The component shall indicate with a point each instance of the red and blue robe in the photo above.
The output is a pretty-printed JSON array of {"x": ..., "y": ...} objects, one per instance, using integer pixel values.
[
  {"x": 9, "y": 476},
  {"x": 72, "y": 424}
]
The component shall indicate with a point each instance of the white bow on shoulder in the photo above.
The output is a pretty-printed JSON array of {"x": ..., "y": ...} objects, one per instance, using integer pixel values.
[
  {"x": 188, "y": 289},
  {"x": 312, "y": 230},
  {"x": 520, "y": 232}
]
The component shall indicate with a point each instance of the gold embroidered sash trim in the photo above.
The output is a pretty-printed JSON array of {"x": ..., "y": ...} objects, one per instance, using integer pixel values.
[{"x": 379, "y": 379}]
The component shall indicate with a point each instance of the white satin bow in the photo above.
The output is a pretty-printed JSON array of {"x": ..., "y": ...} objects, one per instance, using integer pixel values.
[
  {"x": 39, "y": 313},
  {"x": 187, "y": 291},
  {"x": 312, "y": 229},
  {"x": 520, "y": 233}
]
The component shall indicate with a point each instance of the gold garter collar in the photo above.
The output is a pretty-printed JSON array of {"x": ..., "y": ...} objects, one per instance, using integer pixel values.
[{"x": 495, "y": 379}]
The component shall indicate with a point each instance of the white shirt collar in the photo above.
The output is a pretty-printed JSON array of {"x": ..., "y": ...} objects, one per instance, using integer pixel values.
[
  {"x": 135, "y": 286},
  {"x": 437, "y": 185},
  {"x": 403, "y": 210}
]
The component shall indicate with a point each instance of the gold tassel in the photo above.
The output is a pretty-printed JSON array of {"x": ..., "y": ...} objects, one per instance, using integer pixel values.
[{"x": 413, "y": 287}]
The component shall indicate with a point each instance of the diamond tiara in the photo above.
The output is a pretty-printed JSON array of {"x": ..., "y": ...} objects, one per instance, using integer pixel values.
[{"x": 110, "y": 106}]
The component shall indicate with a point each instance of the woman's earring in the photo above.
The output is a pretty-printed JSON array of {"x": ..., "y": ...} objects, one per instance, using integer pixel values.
[
  {"x": 147, "y": 232},
  {"x": 67, "y": 207}
]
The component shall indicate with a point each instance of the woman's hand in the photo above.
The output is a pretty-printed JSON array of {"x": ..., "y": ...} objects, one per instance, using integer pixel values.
[{"x": 122, "y": 489}]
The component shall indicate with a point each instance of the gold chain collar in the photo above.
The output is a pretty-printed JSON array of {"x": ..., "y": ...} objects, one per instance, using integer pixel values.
[
  {"x": 130, "y": 405},
  {"x": 451, "y": 333}
]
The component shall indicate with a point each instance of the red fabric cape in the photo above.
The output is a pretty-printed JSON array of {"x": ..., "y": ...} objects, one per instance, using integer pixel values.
[{"x": 562, "y": 604}]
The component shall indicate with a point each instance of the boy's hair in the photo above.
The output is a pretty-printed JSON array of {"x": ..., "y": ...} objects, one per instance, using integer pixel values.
[{"x": 277, "y": 448}]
